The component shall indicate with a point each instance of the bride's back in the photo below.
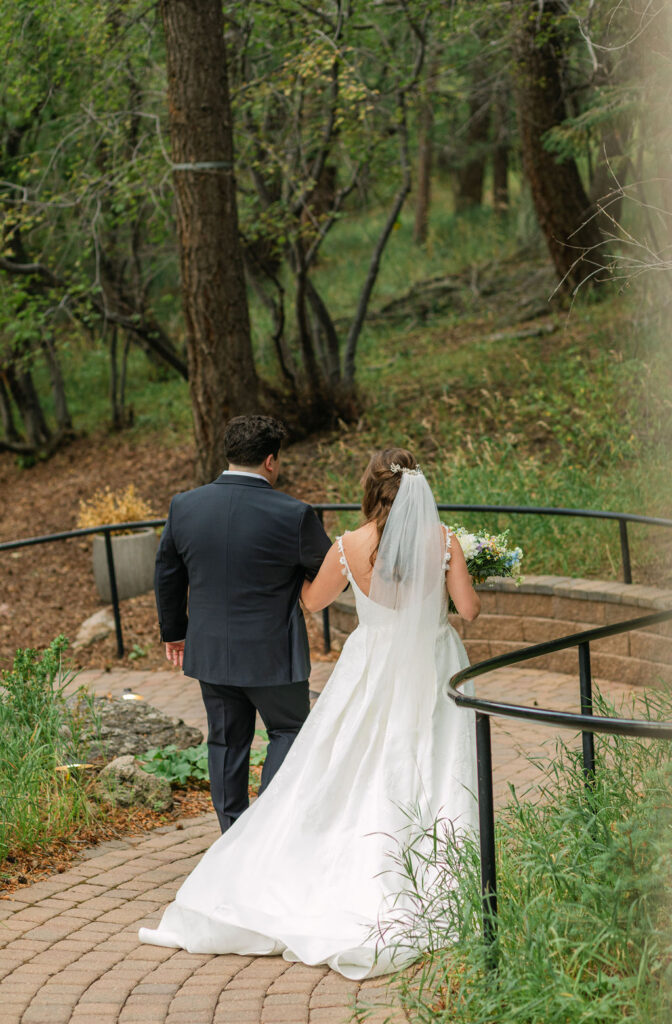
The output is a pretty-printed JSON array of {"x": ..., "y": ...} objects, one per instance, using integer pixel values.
[{"x": 359, "y": 545}]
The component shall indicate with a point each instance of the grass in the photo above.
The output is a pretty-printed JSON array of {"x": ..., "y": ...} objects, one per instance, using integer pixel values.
[
  {"x": 577, "y": 418},
  {"x": 38, "y": 803},
  {"x": 41, "y": 733},
  {"x": 584, "y": 884}
]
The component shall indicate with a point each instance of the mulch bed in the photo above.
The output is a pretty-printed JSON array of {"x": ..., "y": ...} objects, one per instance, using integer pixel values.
[{"x": 49, "y": 589}]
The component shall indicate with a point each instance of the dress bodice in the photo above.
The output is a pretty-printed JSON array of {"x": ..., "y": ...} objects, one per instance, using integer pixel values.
[{"x": 369, "y": 612}]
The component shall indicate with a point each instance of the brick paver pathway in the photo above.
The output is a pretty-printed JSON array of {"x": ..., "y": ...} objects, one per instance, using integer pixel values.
[{"x": 69, "y": 950}]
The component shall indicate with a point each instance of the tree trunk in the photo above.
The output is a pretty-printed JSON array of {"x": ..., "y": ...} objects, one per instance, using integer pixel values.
[
  {"x": 6, "y": 415},
  {"x": 26, "y": 399},
  {"x": 318, "y": 205},
  {"x": 61, "y": 410},
  {"x": 500, "y": 153},
  {"x": 564, "y": 212},
  {"x": 115, "y": 404},
  {"x": 355, "y": 330},
  {"x": 222, "y": 375},
  {"x": 313, "y": 375},
  {"x": 425, "y": 151},
  {"x": 609, "y": 177},
  {"x": 471, "y": 175}
]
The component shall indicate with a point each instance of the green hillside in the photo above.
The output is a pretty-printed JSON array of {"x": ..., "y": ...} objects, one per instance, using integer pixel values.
[{"x": 505, "y": 395}]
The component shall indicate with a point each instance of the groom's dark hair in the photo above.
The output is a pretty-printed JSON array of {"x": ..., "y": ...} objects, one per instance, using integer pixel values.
[{"x": 248, "y": 440}]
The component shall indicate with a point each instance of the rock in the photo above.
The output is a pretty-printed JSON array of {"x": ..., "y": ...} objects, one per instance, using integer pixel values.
[
  {"x": 96, "y": 627},
  {"x": 125, "y": 784},
  {"x": 111, "y": 727}
]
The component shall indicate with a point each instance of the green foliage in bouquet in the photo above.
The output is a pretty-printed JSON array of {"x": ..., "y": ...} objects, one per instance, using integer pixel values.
[{"x": 487, "y": 555}]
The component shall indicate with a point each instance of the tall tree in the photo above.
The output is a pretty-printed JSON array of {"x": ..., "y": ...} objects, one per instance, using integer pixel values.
[
  {"x": 321, "y": 97},
  {"x": 425, "y": 122},
  {"x": 222, "y": 377},
  {"x": 86, "y": 234},
  {"x": 501, "y": 145},
  {"x": 471, "y": 173},
  {"x": 564, "y": 211}
]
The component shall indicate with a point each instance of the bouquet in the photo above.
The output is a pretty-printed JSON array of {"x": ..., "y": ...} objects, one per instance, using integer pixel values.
[{"x": 488, "y": 554}]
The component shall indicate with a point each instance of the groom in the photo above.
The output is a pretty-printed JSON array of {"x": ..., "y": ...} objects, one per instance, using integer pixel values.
[{"x": 229, "y": 569}]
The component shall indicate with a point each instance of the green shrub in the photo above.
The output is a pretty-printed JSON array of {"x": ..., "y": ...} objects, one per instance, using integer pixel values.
[
  {"x": 178, "y": 766},
  {"x": 175, "y": 765}
]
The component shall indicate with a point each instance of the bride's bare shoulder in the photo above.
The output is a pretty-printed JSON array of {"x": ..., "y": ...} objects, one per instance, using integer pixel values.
[
  {"x": 362, "y": 541},
  {"x": 363, "y": 535}
]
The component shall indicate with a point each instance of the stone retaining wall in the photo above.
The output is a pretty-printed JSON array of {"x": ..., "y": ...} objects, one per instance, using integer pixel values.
[{"x": 547, "y": 607}]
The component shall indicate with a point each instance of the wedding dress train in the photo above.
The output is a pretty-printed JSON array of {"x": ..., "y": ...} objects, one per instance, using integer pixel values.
[{"x": 309, "y": 871}]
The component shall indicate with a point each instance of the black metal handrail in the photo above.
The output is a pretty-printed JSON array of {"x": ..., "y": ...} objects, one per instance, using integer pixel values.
[
  {"x": 107, "y": 529},
  {"x": 623, "y": 518},
  {"x": 585, "y": 720}
]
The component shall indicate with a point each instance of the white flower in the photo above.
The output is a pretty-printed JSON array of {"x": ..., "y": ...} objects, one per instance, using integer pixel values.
[{"x": 469, "y": 544}]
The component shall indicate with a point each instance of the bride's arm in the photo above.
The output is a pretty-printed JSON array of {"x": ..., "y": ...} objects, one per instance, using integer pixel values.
[
  {"x": 328, "y": 583},
  {"x": 460, "y": 585}
]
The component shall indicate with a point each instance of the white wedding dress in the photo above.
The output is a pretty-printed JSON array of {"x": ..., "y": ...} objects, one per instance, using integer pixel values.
[{"x": 309, "y": 870}]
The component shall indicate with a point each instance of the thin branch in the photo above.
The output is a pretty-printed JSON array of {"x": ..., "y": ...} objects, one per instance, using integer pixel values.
[
  {"x": 374, "y": 264},
  {"x": 151, "y": 334}
]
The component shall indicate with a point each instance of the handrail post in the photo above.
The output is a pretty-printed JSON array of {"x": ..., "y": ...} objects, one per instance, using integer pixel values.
[
  {"x": 114, "y": 593},
  {"x": 588, "y": 738},
  {"x": 326, "y": 625},
  {"x": 625, "y": 550},
  {"x": 486, "y": 821}
]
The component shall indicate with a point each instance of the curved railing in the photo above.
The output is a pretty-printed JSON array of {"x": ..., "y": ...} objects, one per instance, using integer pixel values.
[
  {"x": 585, "y": 720},
  {"x": 623, "y": 518}
]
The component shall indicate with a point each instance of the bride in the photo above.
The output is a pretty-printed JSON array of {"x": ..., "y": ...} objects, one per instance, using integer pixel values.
[{"x": 309, "y": 871}]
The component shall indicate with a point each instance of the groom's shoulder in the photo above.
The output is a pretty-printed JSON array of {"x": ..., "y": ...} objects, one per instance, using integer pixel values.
[
  {"x": 195, "y": 494},
  {"x": 280, "y": 501},
  {"x": 288, "y": 503}
]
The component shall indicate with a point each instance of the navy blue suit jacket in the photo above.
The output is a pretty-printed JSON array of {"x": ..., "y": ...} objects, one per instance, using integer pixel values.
[{"x": 229, "y": 569}]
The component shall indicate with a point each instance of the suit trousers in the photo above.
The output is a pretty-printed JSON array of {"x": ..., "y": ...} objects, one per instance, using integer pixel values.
[{"x": 231, "y": 712}]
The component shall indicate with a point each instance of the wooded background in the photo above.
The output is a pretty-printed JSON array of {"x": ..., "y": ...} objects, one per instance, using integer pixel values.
[{"x": 172, "y": 172}]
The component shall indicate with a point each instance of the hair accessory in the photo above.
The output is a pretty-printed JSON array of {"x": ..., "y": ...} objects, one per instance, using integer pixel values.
[{"x": 396, "y": 468}]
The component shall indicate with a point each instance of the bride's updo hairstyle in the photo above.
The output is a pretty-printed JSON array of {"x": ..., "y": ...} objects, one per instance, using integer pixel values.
[{"x": 381, "y": 485}]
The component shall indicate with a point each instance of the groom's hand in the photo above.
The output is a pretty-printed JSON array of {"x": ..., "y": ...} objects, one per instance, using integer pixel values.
[{"x": 175, "y": 653}]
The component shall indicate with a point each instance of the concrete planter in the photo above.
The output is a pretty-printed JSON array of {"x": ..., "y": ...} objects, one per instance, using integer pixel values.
[{"x": 134, "y": 555}]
